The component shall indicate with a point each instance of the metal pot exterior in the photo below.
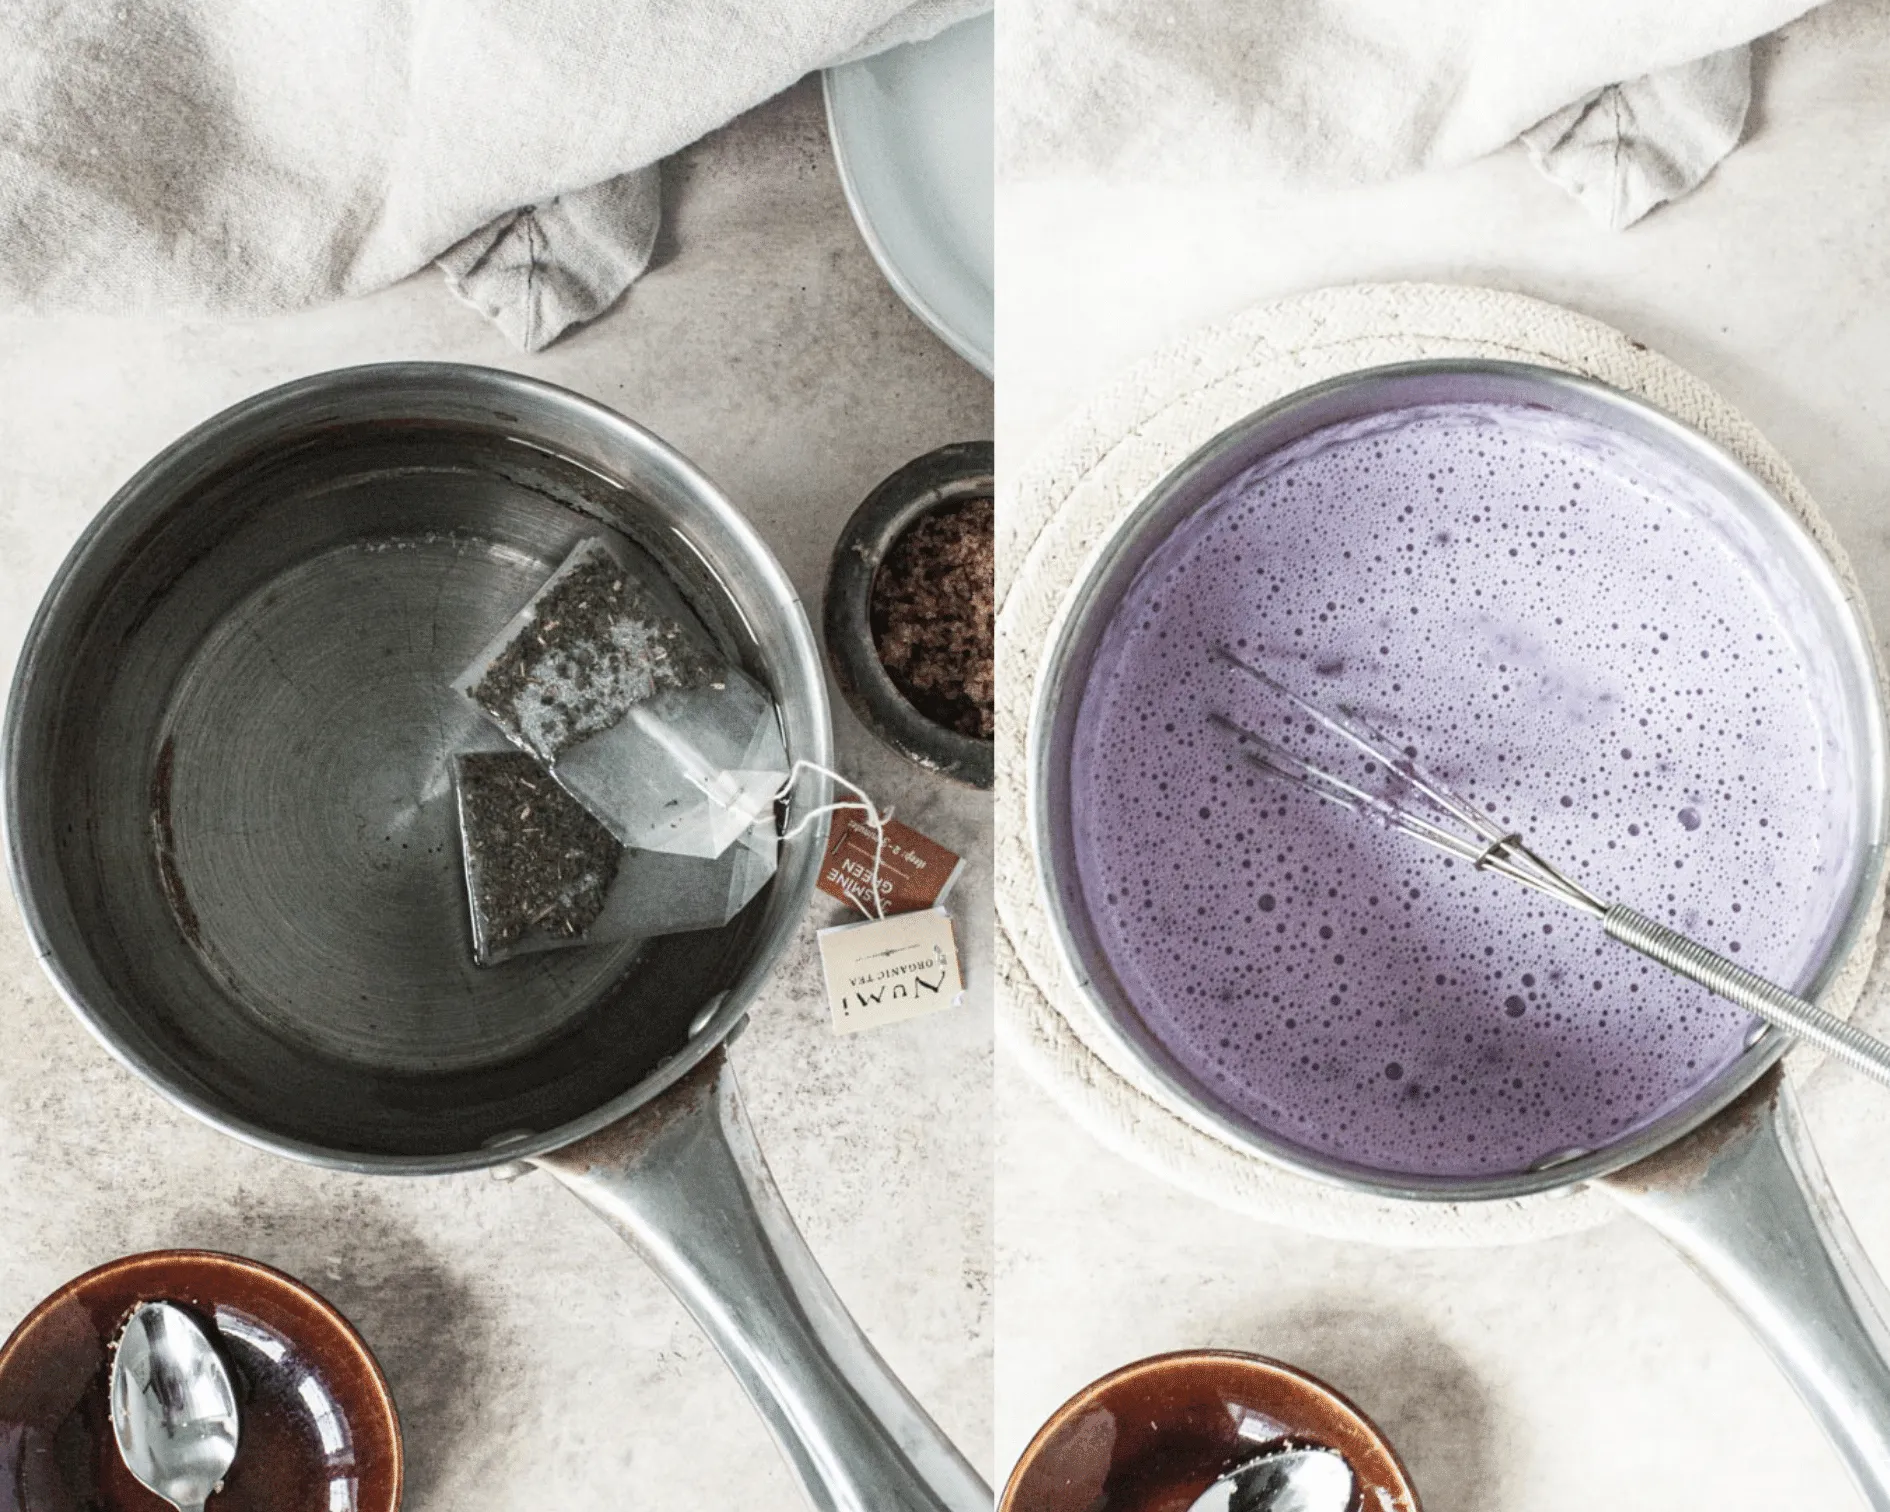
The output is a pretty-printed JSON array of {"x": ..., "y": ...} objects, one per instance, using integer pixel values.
[{"x": 535, "y": 420}]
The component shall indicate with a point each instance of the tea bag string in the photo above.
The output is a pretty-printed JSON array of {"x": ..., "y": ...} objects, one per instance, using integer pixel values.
[{"x": 876, "y": 819}]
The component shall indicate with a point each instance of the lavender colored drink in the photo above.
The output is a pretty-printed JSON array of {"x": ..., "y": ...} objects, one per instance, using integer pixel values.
[{"x": 1554, "y": 625}]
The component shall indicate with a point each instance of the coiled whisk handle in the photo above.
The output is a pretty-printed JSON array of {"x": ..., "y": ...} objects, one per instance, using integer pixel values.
[{"x": 1752, "y": 992}]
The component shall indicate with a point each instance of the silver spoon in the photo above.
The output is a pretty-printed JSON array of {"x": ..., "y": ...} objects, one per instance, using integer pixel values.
[
  {"x": 173, "y": 1407},
  {"x": 1284, "y": 1480}
]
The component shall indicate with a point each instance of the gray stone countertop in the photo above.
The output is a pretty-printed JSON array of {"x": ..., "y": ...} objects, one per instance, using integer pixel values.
[
  {"x": 1594, "y": 1371},
  {"x": 535, "y": 1361}
]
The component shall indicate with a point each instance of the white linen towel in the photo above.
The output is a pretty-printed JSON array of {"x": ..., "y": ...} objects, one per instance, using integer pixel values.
[
  {"x": 1627, "y": 148},
  {"x": 241, "y": 157},
  {"x": 1625, "y": 103}
]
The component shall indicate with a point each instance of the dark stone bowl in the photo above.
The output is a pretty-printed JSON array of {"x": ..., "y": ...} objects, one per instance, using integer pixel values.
[{"x": 946, "y": 476}]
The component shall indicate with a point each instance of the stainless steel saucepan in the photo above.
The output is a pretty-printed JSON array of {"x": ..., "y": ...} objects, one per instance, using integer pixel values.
[
  {"x": 230, "y": 827},
  {"x": 1729, "y": 1178}
]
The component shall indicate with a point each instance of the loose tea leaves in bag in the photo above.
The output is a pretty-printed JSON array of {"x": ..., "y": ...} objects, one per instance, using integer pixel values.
[
  {"x": 596, "y": 640},
  {"x": 538, "y": 867}
]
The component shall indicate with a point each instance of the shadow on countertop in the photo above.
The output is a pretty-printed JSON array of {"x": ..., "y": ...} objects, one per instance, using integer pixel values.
[
  {"x": 435, "y": 1338},
  {"x": 1415, "y": 1387}
]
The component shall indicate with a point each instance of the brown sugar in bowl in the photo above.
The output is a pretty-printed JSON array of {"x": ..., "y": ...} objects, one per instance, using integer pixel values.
[
  {"x": 1152, "y": 1436},
  {"x": 951, "y": 479},
  {"x": 318, "y": 1429}
]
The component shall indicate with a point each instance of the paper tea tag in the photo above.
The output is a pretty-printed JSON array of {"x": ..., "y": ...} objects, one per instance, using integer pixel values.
[
  {"x": 914, "y": 871},
  {"x": 890, "y": 969}
]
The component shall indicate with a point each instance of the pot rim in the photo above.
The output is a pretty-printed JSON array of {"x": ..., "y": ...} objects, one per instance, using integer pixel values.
[
  {"x": 1112, "y": 565},
  {"x": 459, "y": 391}
]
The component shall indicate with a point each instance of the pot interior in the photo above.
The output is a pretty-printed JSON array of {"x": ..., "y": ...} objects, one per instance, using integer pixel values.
[
  {"x": 233, "y": 818},
  {"x": 1378, "y": 1019}
]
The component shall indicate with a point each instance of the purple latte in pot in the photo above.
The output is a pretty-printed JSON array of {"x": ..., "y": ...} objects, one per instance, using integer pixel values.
[{"x": 1566, "y": 630}]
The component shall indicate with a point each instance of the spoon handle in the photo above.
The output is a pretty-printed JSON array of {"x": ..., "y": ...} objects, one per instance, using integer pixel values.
[{"x": 684, "y": 1181}]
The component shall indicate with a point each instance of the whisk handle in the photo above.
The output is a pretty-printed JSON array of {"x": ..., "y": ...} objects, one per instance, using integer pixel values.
[{"x": 1752, "y": 992}]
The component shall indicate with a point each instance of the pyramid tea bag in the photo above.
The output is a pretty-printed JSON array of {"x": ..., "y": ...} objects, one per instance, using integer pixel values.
[
  {"x": 688, "y": 772},
  {"x": 542, "y": 874},
  {"x": 594, "y": 641},
  {"x": 538, "y": 867},
  {"x": 660, "y": 893},
  {"x": 606, "y": 677}
]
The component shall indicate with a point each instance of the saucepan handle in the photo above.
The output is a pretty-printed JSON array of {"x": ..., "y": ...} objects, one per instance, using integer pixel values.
[
  {"x": 1744, "y": 1199},
  {"x": 683, "y": 1180}
]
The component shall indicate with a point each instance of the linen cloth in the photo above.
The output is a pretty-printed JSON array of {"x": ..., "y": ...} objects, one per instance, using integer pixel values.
[
  {"x": 242, "y": 157},
  {"x": 1625, "y": 103},
  {"x": 1061, "y": 506}
]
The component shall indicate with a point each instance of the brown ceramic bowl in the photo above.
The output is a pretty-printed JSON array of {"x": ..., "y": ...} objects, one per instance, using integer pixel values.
[
  {"x": 318, "y": 1427},
  {"x": 1152, "y": 1436}
]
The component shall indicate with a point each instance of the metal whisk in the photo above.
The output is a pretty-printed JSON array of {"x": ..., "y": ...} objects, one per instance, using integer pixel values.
[{"x": 1417, "y": 804}]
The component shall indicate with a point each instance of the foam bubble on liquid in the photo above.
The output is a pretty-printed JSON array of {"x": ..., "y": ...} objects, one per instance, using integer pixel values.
[{"x": 1540, "y": 613}]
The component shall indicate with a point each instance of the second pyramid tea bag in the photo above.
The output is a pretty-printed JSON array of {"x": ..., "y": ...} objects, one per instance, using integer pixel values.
[
  {"x": 542, "y": 874},
  {"x": 656, "y": 893},
  {"x": 688, "y": 772},
  {"x": 607, "y": 678}
]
